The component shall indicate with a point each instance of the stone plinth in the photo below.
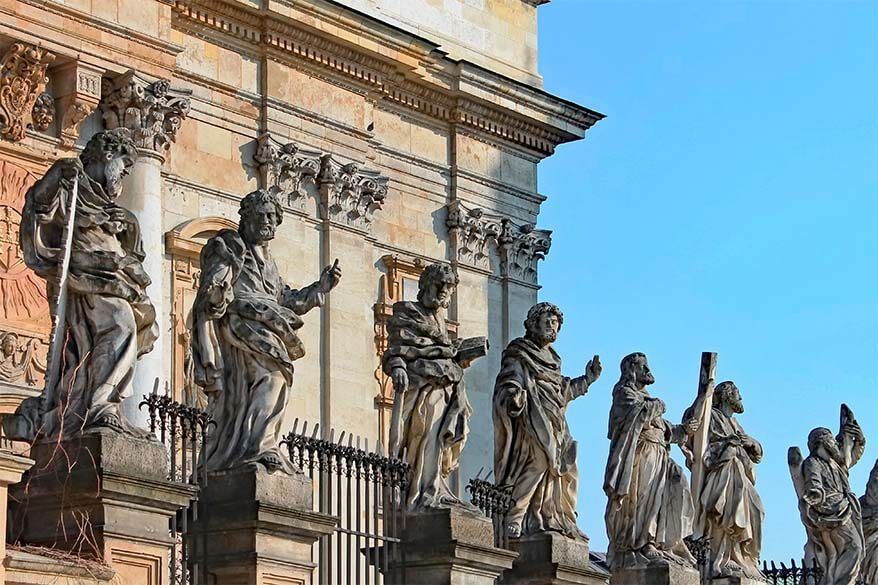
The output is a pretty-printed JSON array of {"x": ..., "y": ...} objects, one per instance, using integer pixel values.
[
  {"x": 258, "y": 528},
  {"x": 736, "y": 581},
  {"x": 552, "y": 559},
  {"x": 11, "y": 468},
  {"x": 449, "y": 547},
  {"x": 103, "y": 495},
  {"x": 666, "y": 574}
]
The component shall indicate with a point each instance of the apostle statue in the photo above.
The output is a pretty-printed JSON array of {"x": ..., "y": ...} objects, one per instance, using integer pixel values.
[
  {"x": 108, "y": 320},
  {"x": 869, "y": 505},
  {"x": 649, "y": 505},
  {"x": 830, "y": 511},
  {"x": 534, "y": 452},
  {"x": 430, "y": 418},
  {"x": 245, "y": 337},
  {"x": 730, "y": 509}
]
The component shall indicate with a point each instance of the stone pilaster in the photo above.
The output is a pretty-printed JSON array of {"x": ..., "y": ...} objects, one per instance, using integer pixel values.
[
  {"x": 552, "y": 559},
  {"x": 154, "y": 113},
  {"x": 11, "y": 468},
  {"x": 102, "y": 495},
  {"x": 77, "y": 87},
  {"x": 258, "y": 528},
  {"x": 448, "y": 547}
]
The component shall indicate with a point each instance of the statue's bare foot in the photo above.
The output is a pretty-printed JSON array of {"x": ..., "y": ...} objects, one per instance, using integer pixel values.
[
  {"x": 651, "y": 552},
  {"x": 110, "y": 421},
  {"x": 271, "y": 462},
  {"x": 513, "y": 530}
]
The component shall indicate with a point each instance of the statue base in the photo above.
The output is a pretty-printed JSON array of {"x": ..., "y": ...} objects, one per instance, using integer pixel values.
[
  {"x": 448, "y": 547},
  {"x": 669, "y": 574},
  {"x": 736, "y": 581},
  {"x": 552, "y": 559},
  {"x": 256, "y": 527},
  {"x": 103, "y": 495}
]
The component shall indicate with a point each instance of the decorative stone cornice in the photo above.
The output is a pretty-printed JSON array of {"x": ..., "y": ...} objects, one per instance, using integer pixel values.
[
  {"x": 478, "y": 235},
  {"x": 391, "y": 64},
  {"x": 22, "y": 78},
  {"x": 150, "y": 109},
  {"x": 350, "y": 195},
  {"x": 286, "y": 169}
]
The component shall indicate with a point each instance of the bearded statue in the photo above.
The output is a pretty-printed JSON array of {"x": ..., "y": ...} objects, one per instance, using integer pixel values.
[{"x": 109, "y": 321}]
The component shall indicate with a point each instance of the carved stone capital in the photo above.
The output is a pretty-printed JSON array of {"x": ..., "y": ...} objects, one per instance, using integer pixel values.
[
  {"x": 151, "y": 110},
  {"x": 22, "y": 79},
  {"x": 286, "y": 169},
  {"x": 350, "y": 195},
  {"x": 77, "y": 87},
  {"x": 520, "y": 248},
  {"x": 475, "y": 233}
]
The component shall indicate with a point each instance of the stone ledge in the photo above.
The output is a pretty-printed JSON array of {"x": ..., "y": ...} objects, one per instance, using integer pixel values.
[
  {"x": 668, "y": 574},
  {"x": 552, "y": 559}
]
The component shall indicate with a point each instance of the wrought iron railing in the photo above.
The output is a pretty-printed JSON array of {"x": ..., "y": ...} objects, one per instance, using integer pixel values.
[
  {"x": 183, "y": 431},
  {"x": 700, "y": 549},
  {"x": 793, "y": 574},
  {"x": 365, "y": 490},
  {"x": 495, "y": 502}
]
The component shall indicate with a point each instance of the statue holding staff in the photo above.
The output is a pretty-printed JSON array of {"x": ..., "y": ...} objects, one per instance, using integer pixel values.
[
  {"x": 830, "y": 511},
  {"x": 649, "y": 505},
  {"x": 104, "y": 318},
  {"x": 431, "y": 411},
  {"x": 534, "y": 452},
  {"x": 245, "y": 337}
]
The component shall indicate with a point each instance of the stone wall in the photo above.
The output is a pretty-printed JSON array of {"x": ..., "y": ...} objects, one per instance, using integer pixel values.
[{"x": 455, "y": 144}]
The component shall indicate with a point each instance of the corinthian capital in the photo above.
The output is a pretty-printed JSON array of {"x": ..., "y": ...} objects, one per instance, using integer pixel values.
[
  {"x": 151, "y": 110},
  {"x": 22, "y": 78}
]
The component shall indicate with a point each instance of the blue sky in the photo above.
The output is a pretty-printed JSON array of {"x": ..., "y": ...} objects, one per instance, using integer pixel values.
[{"x": 728, "y": 203}]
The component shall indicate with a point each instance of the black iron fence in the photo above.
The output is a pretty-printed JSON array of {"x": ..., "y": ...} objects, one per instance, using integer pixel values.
[
  {"x": 365, "y": 490},
  {"x": 495, "y": 502},
  {"x": 183, "y": 431},
  {"x": 793, "y": 574}
]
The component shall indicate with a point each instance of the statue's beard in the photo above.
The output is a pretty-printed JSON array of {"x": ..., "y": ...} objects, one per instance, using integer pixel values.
[
  {"x": 258, "y": 234},
  {"x": 833, "y": 452},
  {"x": 544, "y": 338},
  {"x": 737, "y": 405},
  {"x": 114, "y": 172},
  {"x": 646, "y": 379}
]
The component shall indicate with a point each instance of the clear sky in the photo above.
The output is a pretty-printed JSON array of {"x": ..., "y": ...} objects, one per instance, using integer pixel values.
[{"x": 727, "y": 203}]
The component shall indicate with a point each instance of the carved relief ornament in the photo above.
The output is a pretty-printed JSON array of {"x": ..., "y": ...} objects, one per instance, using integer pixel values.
[
  {"x": 22, "y": 78},
  {"x": 150, "y": 109},
  {"x": 479, "y": 235},
  {"x": 287, "y": 169},
  {"x": 349, "y": 194}
]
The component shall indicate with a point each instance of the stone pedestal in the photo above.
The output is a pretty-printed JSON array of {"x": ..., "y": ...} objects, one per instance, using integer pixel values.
[
  {"x": 552, "y": 559},
  {"x": 258, "y": 528},
  {"x": 103, "y": 495},
  {"x": 449, "y": 547},
  {"x": 736, "y": 581},
  {"x": 670, "y": 574},
  {"x": 11, "y": 468}
]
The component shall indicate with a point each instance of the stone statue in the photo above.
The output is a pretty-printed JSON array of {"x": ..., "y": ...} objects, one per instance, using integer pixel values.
[
  {"x": 731, "y": 511},
  {"x": 110, "y": 321},
  {"x": 649, "y": 505},
  {"x": 829, "y": 509},
  {"x": 869, "y": 505},
  {"x": 430, "y": 418},
  {"x": 244, "y": 339},
  {"x": 534, "y": 453}
]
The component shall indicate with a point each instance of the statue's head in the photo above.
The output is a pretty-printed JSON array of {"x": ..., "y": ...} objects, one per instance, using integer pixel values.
[
  {"x": 8, "y": 342},
  {"x": 822, "y": 444},
  {"x": 108, "y": 157},
  {"x": 728, "y": 393},
  {"x": 543, "y": 323},
  {"x": 260, "y": 213},
  {"x": 635, "y": 370},
  {"x": 436, "y": 285}
]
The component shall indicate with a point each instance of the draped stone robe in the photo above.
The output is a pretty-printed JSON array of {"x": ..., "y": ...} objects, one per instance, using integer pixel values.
[
  {"x": 834, "y": 524},
  {"x": 110, "y": 320},
  {"x": 869, "y": 505},
  {"x": 649, "y": 502},
  {"x": 731, "y": 509},
  {"x": 534, "y": 452},
  {"x": 434, "y": 410},
  {"x": 244, "y": 346}
]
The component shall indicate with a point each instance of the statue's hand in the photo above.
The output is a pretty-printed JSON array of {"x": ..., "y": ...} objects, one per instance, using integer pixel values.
[
  {"x": 400, "y": 379},
  {"x": 692, "y": 425},
  {"x": 593, "y": 370},
  {"x": 330, "y": 277}
]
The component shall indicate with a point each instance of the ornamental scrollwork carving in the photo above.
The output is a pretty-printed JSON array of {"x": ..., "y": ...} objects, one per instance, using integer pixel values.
[
  {"x": 349, "y": 194},
  {"x": 22, "y": 78},
  {"x": 287, "y": 169},
  {"x": 43, "y": 112},
  {"x": 521, "y": 246},
  {"x": 476, "y": 234},
  {"x": 151, "y": 110}
]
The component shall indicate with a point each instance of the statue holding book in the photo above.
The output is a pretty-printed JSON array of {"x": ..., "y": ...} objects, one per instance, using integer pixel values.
[{"x": 430, "y": 419}]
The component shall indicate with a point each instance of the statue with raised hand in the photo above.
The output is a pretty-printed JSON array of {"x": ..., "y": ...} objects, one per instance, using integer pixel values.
[
  {"x": 534, "y": 452},
  {"x": 431, "y": 412},
  {"x": 245, "y": 337},
  {"x": 87, "y": 247},
  {"x": 830, "y": 511}
]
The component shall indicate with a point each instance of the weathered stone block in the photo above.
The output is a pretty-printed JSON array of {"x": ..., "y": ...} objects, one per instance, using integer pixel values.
[
  {"x": 669, "y": 574},
  {"x": 736, "y": 581},
  {"x": 552, "y": 559},
  {"x": 445, "y": 547}
]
